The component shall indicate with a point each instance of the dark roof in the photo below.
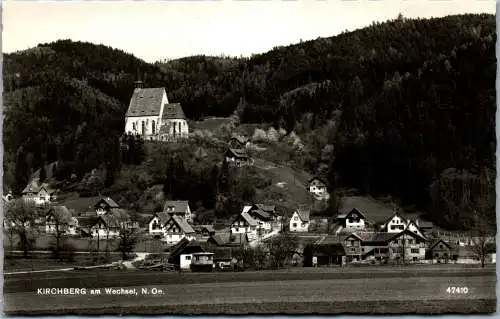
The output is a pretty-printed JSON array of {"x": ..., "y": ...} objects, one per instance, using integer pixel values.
[
  {"x": 236, "y": 152},
  {"x": 114, "y": 218},
  {"x": 410, "y": 232},
  {"x": 375, "y": 237},
  {"x": 354, "y": 210},
  {"x": 173, "y": 111},
  {"x": 87, "y": 221},
  {"x": 183, "y": 224},
  {"x": 228, "y": 239},
  {"x": 449, "y": 245},
  {"x": 185, "y": 246},
  {"x": 146, "y": 102},
  {"x": 266, "y": 208},
  {"x": 249, "y": 219},
  {"x": 110, "y": 202},
  {"x": 240, "y": 139},
  {"x": 303, "y": 214},
  {"x": 179, "y": 206},
  {"x": 329, "y": 249},
  {"x": 162, "y": 217},
  {"x": 35, "y": 187},
  {"x": 260, "y": 214},
  {"x": 209, "y": 228},
  {"x": 317, "y": 178}
]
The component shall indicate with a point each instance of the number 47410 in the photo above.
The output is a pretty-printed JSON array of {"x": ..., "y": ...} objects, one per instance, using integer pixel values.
[{"x": 457, "y": 290}]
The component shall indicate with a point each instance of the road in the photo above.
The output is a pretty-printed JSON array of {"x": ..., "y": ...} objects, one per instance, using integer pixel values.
[{"x": 274, "y": 292}]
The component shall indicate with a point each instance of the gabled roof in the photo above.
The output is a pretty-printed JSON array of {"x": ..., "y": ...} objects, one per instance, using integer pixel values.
[
  {"x": 375, "y": 237},
  {"x": 249, "y": 219},
  {"x": 163, "y": 217},
  {"x": 173, "y": 111},
  {"x": 396, "y": 213},
  {"x": 318, "y": 179},
  {"x": 208, "y": 228},
  {"x": 113, "y": 219},
  {"x": 179, "y": 206},
  {"x": 407, "y": 231},
  {"x": 35, "y": 187},
  {"x": 183, "y": 224},
  {"x": 266, "y": 208},
  {"x": 110, "y": 202},
  {"x": 246, "y": 208},
  {"x": 146, "y": 102},
  {"x": 237, "y": 152},
  {"x": 354, "y": 210},
  {"x": 303, "y": 214},
  {"x": 260, "y": 214},
  {"x": 450, "y": 246},
  {"x": 185, "y": 246},
  {"x": 240, "y": 139},
  {"x": 228, "y": 239}
]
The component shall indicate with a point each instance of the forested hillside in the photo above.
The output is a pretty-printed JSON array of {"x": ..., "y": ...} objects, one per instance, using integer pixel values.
[{"x": 416, "y": 100}]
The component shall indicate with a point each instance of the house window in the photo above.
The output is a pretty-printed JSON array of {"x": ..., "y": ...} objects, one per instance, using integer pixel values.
[
  {"x": 303, "y": 224},
  {"x": 188, "y": 257},
  {"x": 237, "y": 229},
  {"x": 295, "y": 218},
  {"x": 393, "y": 227},
  {"x": 410, "y": 241},
  {"x": 133, "y": 126},
  {"x": 414, "y": 250},
  {"x": 441, "y": 246},
  {"x": 153, "y": 127},
  {"x": 294, "y": 225},
  {"x": 353, "y": 250},
  {"x": 143, "y": 128}
]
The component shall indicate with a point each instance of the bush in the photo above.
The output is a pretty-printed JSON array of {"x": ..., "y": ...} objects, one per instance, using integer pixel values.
[{"x": 259, "y": 135}]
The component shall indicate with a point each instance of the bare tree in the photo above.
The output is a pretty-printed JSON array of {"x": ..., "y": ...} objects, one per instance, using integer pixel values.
[
  {"x": 127, "y": 235},
  {"x": 281, "y": 247},
  {"x": 59, "y": 218},
  {"x": 21, "y": 215},
  {"x": 260, "y": 254}
]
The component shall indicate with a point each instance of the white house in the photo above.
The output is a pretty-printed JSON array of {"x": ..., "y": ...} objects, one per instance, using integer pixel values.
[
  {"x": 38, "y": 194},
  {"x": 244, "y": 224},
  {"x": 352, "y": 220},
  {"x": 177, "y": 228},
  {"x": 152, "y": 116},
  {"x": 178, "y": 208},
  {"x": 412, "y": 226},
  {"x": 300, "y": 221},
  {"x": 105, "y": 205},
  {"x": 109, "y": 225},
  {"x": 317, "y": 187},
  {"x": 59, "y": 219},
  {"x": 156, "y": 224},
  {"x": 397, "y": 223},
  {"x": 265, "y": 215}
]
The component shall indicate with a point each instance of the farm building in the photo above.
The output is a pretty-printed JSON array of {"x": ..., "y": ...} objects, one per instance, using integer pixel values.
[
  {"x": 300, "y": 220},
  {"x": 318, "y": 188},
  {"x": 238, "y": 156}
]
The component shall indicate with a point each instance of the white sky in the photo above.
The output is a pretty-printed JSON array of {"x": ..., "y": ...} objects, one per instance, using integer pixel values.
[{"x": 154, "y": 30}]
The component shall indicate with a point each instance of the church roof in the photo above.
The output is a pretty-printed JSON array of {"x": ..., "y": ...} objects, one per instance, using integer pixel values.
[
  {"x": 173, "y": 111},
  {"x": 146, "y": 102}
]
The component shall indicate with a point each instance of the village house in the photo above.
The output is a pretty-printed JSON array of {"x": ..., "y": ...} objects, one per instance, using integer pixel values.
[
  {"x": 228, "y": 239},
  {"x": 181, "y": 253},
  {"x": 156, "y": 224},
  {"x": 152, "y": 116},
  {"x": 60, "y": 220},
  {"x": 177, "y": 228},
  {"x": 178, "y": 208},
  {"x": 206, "y": 230},
  {"x": 374, "y": 245},
  {"x": 407, "y": 246},
  {"x": 318, "y": 188},
  {"x": 395, "y": 224},
  {"x": 328, "y": 250},
  {"x": 39, "y": 194},
  {"x": 352, "y": 220},
  {"x": 442, "y": 251},
  {"x": 238, "y": 142},
  {"x": 105, "y": 205},
  {"x": 110, "y": 225},
  {"x": 352, "y": 246},
  {"x": 300, "y": 220},
  {"x": 244, "y": 224},
  {"x": 412, "y": 226},
  {"x": 265, "y": 215},
  {"x": 238, "y": 157}
]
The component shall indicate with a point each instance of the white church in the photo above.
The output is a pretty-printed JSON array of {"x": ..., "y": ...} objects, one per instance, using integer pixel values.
[{"x": 153, "y": 117}]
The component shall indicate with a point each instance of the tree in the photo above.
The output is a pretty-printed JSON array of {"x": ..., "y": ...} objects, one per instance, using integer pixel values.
[
  {"x": 127, "y": 235},
  {"x": 282, "y": 247},
  {"x": 21, "y": 216},
  {"x": 59, "y": 219},
  {"x": 260, "y": 254}
]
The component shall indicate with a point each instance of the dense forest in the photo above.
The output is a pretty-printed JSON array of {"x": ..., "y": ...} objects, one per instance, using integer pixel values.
[{"x": 416, "y": 99}]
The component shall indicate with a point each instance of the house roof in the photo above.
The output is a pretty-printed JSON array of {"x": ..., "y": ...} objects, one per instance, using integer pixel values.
[
  {"x": 266, "y": 208},
  {"x": 303, "y": 214},
  {"x": 228, "y": 239},
  {"x": 377, "y": 211},
  {"x": 374, "y": 237},
  {"x": 109, "y": 201},
  {"x": 209, "y": 228},
  {"x": 185, "y": 246},
  {"x": 183, "y": 224},
  {"x": 145, "y": 102},
  {"x": 318, "y": 179},
  {"x": 354, "y": 210},
  {"x": 246, "y": 208},
  {"x": 449, "y": 245},
  {"x": 87, "y": 221},
  {"x": 35, "y": 187},
  {"x": 249, "y": 219},
  {"x": 406, "y": 231},
  {"x": 237, "y": 152},
  {"x": 260, "y": 214},
  {"x": 114, "y": 218},
  {"x": 163, "y": 217},
  {"x": 173, "y": 111},
  {"x": 240, "y": 139},
  {"x": 179, "y": 206}
]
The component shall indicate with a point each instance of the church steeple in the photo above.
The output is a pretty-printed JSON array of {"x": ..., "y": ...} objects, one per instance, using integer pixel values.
[{"x": 138, "y": 83}]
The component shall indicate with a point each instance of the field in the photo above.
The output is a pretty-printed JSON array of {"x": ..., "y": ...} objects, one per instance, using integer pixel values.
[{"x": 298, "y": 290}]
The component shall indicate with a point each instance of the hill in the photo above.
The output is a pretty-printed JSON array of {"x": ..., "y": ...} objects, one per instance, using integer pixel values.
[{"x": 404, "y": 108}]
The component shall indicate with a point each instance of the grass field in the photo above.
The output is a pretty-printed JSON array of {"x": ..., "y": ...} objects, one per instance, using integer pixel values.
[{"x": 306, "y": 291}]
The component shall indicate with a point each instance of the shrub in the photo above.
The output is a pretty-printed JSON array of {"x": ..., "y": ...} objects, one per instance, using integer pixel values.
[{"x": 259, "y": 135}]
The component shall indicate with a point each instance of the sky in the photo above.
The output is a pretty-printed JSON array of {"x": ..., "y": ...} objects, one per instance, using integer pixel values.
[{"x": 155, "y": 30}]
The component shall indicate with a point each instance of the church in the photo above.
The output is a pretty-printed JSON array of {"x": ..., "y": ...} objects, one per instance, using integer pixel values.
[{"x": 151, "y": 115}]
